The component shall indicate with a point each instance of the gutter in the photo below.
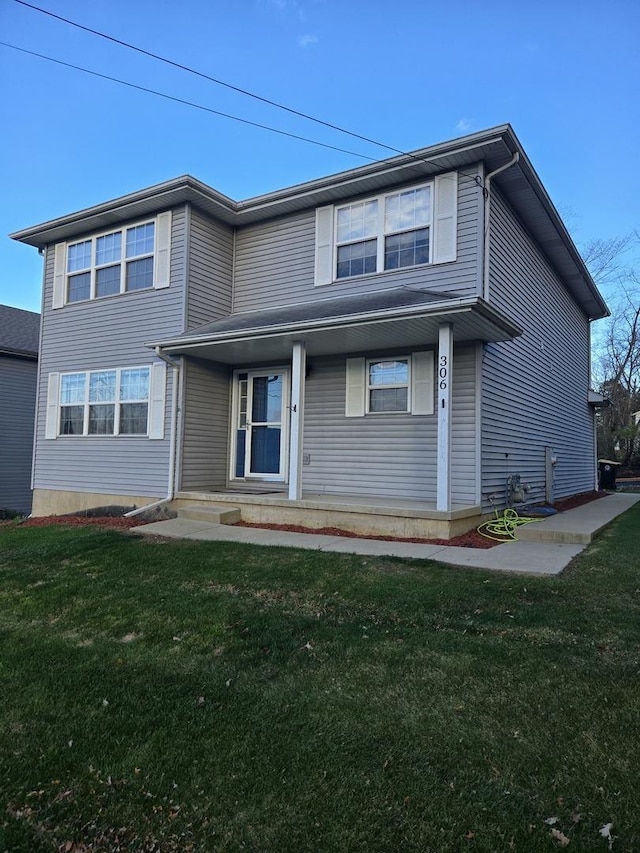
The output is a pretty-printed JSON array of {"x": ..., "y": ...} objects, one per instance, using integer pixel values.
[{"x": 172, "y": 441}]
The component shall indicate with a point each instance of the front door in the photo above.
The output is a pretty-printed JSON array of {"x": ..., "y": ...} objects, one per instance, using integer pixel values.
[{"x": 260, "y": 425}]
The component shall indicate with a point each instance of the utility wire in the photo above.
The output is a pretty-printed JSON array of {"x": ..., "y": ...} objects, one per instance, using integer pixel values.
[
  {"x": 238, "y": 89},
  {"x": 211, "y": 79},
  {"x": 187, "y": 103}
]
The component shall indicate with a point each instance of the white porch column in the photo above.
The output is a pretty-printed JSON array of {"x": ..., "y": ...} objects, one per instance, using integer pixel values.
[
  {"x": 443, "y": 377},
  {"x": 298, "y": 368}
]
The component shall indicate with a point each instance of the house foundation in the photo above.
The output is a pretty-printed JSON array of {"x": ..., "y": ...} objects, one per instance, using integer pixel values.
[{"x": 57, "y": 502}]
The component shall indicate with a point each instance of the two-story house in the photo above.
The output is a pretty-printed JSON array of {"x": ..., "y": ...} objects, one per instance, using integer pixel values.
[{"x": 385, "y": 349}]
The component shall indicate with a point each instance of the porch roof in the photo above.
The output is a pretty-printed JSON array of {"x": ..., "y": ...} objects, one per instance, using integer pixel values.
[{"x": 399, "y": 317}]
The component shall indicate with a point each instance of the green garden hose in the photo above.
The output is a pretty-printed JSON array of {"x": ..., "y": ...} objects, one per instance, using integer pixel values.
[{"x": 502, "y": 528}]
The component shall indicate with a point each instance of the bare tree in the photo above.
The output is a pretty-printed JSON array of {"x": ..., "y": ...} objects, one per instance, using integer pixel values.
[{"x": 615, "y": 266}]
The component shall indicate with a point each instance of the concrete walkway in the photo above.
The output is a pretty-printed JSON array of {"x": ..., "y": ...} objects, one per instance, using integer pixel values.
[{"x": 548, "y": 548}]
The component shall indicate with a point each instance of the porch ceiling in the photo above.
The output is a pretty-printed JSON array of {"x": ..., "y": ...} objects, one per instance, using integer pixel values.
[{"x": 398, "y": 318}]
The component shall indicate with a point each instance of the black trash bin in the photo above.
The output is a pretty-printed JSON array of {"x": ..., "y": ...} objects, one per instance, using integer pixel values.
[{"x": 607, "y": 471}]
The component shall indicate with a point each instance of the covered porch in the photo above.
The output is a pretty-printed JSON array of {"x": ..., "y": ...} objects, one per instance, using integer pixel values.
[{"x": 302, "y": 338}]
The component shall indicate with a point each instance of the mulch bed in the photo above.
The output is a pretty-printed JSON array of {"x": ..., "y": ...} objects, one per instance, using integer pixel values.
[
  {"x": 85, "y": 520},
  {"x": 472, "y": 539}
]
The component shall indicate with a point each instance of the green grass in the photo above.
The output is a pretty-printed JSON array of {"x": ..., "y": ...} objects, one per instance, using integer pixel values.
[{"x": 177, "y": 696}]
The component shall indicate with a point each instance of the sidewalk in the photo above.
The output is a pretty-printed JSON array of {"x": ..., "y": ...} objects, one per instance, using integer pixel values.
[{"x": 548, "y": 548}]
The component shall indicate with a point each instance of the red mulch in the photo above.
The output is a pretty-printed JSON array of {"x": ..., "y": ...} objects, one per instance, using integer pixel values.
[
  {"x": 84, "y": 520},
  {"x": 472, "y": 539}
]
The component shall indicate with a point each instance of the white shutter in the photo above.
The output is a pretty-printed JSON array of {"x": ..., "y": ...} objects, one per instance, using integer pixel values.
[
  {"x": 324, "y": 245},
  {"x": 51, "y": 428},
  {"x": 59, "y": 274},
  {"x": 422, "y": 383},
  {"x": 157, "y": 396},
  {"x": 162, "y": 250},
  {"x": 355, "y": 388},
  {"x": 445, "y": 218}
]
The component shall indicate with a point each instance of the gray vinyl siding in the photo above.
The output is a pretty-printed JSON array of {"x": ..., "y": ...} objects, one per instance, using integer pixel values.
[
  {"x": 385, "y": 456},
  {"x": 18, "y": 378},
  {"x": 210, "y": 270},
  {"x": 534, "y": 388},
  {"x": 108, "y": 333},
  {"x": 205, "y": 460},
  {"x": 275, "y": 261}
]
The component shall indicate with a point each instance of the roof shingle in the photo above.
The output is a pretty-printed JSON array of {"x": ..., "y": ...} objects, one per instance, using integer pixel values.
[{"x": 19, "y": 331}]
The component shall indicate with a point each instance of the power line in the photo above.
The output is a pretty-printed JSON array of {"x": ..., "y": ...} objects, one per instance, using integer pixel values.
[
  {"x": 211, "y": 79},
  {"x": 186, "y": 102},
  {"x": 230, "y": 86}
]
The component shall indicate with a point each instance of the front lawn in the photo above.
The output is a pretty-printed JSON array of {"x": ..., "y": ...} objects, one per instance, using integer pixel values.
[{"x": 184, "y": 696}]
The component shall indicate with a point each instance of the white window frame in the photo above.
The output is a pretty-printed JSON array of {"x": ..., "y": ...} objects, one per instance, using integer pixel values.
[
  {"x": 443, "y": 231},
  {"x": 421, "y": 384},
  {"x": 160, "y": 259},
  {"x": 370, "y": 387},
  {"x": 117, "y": 403},
  {"x": 381, "y": 233},
  {"x": 94, "y": 267}
]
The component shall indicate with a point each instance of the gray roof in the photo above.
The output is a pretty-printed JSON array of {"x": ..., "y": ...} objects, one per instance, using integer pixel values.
[
  {"x": 394, "y": 318},
  {"x": 494, "y": 147},
  {"x": 323, "y": 309},
  {"x": 19, "y": 332}
]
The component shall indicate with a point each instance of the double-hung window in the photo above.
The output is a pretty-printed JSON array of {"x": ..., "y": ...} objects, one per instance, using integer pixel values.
[
  {"x": 105, "y": 402},
  {"x": 409, "y": 227},
  {"x": 117, "y": 262},
  {"x": 384, "y": 233},
  {"x": 388, "y": 385},
  {"x": 398, "y": 384},
  {"x": 122, "y": 260}
]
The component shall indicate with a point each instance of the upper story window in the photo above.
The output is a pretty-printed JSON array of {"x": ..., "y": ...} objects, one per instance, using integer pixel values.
[
  {"x": 388, "y": 232},
  {"x": 410, "y": 227},
  {"x": 116, "y": 262},
  {"x": 134, "y": 257}
]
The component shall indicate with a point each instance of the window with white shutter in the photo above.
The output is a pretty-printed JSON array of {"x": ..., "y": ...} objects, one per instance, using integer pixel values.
[
  {"x": 409, "y": 227},
  {"x": 400, "y": 384},
  {"x": 122, "y": 260},
  {"x": 121, "y": 401}
]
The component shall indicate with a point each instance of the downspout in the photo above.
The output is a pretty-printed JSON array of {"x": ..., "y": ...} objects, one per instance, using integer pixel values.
[
  {"x": 172, "y": 440},
  {"x": 486, "y": 192}
]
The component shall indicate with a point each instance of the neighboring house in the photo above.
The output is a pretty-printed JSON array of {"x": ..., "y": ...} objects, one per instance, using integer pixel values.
[
  {"x": 382, "y": 349},
  {"x": 19, "y": 338}
]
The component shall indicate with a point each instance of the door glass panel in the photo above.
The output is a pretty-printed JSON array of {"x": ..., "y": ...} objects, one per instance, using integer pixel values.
[
  {"x": 266, "y": 403},
  {"x": 265, "y": 450}
]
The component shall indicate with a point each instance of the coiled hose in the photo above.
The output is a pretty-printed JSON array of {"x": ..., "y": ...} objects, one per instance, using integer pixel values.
[{"x": 503, "y": 527}]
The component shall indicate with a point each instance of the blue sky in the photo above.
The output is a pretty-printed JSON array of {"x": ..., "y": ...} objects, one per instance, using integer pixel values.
[{"x": 565, "y": 74}]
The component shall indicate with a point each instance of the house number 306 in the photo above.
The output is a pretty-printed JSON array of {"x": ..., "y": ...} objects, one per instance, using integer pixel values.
[{"x": 443, "y": 372}]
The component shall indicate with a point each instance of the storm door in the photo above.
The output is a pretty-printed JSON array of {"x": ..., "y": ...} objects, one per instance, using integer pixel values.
[{"x": 260, "y": 405}]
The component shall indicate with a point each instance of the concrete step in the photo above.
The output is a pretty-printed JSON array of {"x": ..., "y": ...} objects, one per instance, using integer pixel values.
[{"x": 210, "y": 513}]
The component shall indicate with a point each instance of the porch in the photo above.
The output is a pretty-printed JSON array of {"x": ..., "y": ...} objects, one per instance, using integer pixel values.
[
  {"x": 306, "y": 377},
  {"x": 380, "y": 516}
]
